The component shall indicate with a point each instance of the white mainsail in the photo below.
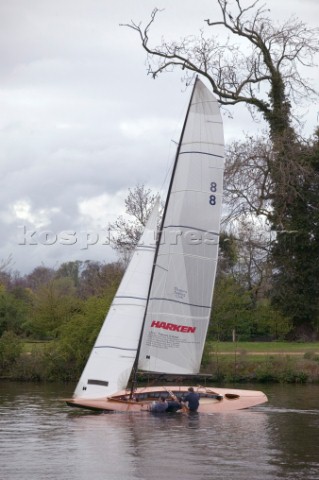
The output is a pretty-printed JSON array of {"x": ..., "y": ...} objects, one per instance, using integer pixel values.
[
  {"x": 110, "y": 364},
  {"x": 179, "y": 305}
]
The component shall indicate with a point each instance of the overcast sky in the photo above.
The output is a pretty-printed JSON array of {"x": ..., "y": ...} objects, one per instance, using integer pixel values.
[{"x": 81, "y": 122}]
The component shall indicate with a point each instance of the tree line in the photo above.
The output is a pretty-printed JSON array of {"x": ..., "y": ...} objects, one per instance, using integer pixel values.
[
  {"x": 57, "y": 313},
  {"x": 268, "y": 273},
  {"x": 50, "y": 318},
  {"x": 64, "y": 307}
]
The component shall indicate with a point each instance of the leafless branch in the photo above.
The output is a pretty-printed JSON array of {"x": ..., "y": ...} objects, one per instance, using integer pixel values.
[{"x": 261, "y": 71}]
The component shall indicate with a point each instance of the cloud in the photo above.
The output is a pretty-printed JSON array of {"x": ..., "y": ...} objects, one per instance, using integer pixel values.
[
  {"x": 22, "y": 211},
  {"x": 81, "y": 121}
]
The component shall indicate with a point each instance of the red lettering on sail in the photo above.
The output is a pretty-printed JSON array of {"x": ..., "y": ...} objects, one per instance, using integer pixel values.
[{"x": 173, "y": 327}]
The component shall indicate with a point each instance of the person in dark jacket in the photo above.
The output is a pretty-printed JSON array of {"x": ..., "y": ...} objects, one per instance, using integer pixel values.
[
  {"x": 174, "y": 405},
  {"x": 192, "y": 400}
]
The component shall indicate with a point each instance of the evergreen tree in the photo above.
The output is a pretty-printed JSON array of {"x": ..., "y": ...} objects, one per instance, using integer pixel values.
[{"x": 296, "y": 250}]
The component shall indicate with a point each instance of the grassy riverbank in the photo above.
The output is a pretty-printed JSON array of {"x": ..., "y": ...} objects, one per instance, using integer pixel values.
[
  {"x": 262, "y": 362},
  {"x": 250, "y": 348},
  {"x": 224, "y": 362},
  {"x": 263, "y": 348}
]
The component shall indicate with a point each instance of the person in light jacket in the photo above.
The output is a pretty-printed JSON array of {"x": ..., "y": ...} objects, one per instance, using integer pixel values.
[{"x": 159, "y": 407}]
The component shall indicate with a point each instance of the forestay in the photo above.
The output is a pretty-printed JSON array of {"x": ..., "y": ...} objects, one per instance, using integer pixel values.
[
  {"x": 110, "y": 364},
  {"x": 180, "y": 300}
]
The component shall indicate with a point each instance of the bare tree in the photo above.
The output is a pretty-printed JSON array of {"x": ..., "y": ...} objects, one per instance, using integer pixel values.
[
  {"x": 259, "y": 65},
  {"x": 39, "y": 276},
  {"x": 96, "y": 278},
  {"x": 125, "y": 232},
  {"x": 247, "y": 186},
  {"x": 5, "y": 264},
  {"x": 139, "y": 203},
  {"x": 5, "y": 271},
  {"x": 247, "y": 234},
  {"x": 250, "y": 188},
  {"x": 254, "y": 261}
]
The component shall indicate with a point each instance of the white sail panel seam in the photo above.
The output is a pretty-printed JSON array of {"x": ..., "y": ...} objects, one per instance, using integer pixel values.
[
  {"x": 188, "y": 255},
  {"x": 126, "y": 296},
  {"x": 192, "y": 228},
  {"x": 178, "y": 301},
  {"x": 179, "y": 315},
  {"x": 116, "y": 348},
  {"x": 202, "y": 153},
  {"x": 196, "y": 142},
  {"x": 128, "y": 304},
  {"x": 203, "y": 102}
]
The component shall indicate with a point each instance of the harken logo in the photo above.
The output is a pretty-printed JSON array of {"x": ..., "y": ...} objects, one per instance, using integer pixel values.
[{"x": 173, "y": 327}]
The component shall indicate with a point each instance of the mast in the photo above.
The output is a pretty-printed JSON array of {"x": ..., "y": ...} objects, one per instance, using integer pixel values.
[{"x": 158, "y": 242}]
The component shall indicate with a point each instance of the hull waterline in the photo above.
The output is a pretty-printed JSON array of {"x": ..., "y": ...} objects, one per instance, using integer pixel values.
[{"x": 212, "y": 400}]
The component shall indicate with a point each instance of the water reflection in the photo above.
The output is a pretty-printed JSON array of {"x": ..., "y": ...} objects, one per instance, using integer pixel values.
[
  {"x": 176, "y": 445},
  {"x": 41, "y": 438}
]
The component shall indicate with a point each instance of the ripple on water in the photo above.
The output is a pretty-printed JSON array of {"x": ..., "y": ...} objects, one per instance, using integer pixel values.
[{"x": 41, "y": 439}]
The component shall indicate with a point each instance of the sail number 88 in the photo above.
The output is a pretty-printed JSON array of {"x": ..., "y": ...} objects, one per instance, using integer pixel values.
[{"x": 213, "y": 189}]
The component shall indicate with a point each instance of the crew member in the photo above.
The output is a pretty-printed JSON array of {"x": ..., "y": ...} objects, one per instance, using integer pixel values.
[
  {"x": 192, "y": 400},
  {"x": 159, "y": 407}
]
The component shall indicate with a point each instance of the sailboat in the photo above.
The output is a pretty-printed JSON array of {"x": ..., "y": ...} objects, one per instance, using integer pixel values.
[{"x": 159, "y": 317}]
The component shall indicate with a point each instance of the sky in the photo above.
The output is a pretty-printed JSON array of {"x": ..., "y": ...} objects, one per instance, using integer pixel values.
[{"x": 81, "y": 122}]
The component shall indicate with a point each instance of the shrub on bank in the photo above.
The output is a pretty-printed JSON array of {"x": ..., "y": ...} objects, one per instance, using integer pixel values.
[
  {"x": 10, "y": 351},
  {"x": 263, "y": 369}
]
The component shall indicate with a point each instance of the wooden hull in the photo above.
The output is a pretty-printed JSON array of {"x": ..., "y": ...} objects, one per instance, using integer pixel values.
[{"x": 212, "y": 400}]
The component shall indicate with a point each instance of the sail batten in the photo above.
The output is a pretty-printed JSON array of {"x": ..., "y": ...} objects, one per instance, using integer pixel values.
[
  {"x": 127, "y": 296},
  {"x": 191, "y": 227},
  {"x": 177, "y": 301},
  {"x": 201, "y": 153},
  {"x": 116, "y": 348}
]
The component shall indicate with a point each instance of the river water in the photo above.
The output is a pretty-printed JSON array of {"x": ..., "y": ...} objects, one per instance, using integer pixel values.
[{"x": 43, "y": 439}]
